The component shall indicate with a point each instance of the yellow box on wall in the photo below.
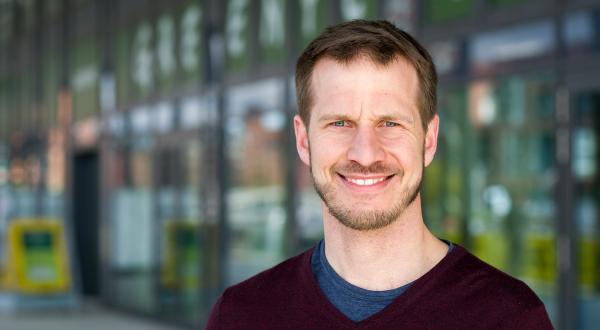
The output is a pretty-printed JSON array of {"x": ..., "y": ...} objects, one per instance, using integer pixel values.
[
  {"x": 180, "y": 267},
  {"x": 37, "y": 260},
  {"x": 3, "y": 278}
]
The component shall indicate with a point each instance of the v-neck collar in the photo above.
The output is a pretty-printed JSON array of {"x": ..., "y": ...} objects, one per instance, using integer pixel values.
[{"x": 317, "y": 302}]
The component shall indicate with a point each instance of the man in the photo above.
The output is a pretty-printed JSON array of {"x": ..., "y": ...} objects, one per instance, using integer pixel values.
[{"x": 368, "y": 127}]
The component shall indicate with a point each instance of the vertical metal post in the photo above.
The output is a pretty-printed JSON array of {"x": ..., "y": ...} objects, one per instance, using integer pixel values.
[
  {"x": 38, "y": 127},
  {"x": 206, "y": 293},
  {"x": 105, "y": 30},
  {"x": 567, "y": 262},
  {"x": 291, "y": 201},
  {"x": 65, "y": 111},
  {"x": 215, "y": 60},
  {"x": 12, "y": 127},
  {"x": 565, "y": 225}
]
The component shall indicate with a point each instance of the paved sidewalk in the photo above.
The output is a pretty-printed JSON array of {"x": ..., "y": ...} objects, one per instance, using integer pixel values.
[{"x": 91, "y": 317}]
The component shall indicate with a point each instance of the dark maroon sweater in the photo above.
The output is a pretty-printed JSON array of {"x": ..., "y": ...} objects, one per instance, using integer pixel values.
[{"x": 460, "y": 292}]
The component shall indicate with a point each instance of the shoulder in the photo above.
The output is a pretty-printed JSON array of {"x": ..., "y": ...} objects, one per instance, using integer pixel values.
[
  {"x": 261, "y": 293},
  {"x": 490, "y": 291},
  {"x": 475, "y": 273},
  {"x": 273, "y": 280}
]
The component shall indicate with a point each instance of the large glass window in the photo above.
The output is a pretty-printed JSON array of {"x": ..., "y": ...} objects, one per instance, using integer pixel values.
[
  {"x": 84, "y": 77},
  {"x": 445, "y": 180},
  {"x": 272, "y": 30},
  {"x": 5, "y": 202},
  {"x": 437, "y": 11},
  {"x": 357, "y": 9},
  {"x": 494, "y": 50},
  {"x": 237, "y": 36},
  {"x": 187, "y": 229},
  {"x": 256, "y": 189},
  {"x": 580, "y": 31},
  {"x": 585, "y": 166},
  {"x": 513, "y": 211},
  {"x": 121, "y": 56},
  {"x": 501, "y": 3},
  {"x": 491, "y": 186},
  {"x": 313, "y": 18},
  {"x": 132, "y": 237},
  {"x": 190, "y": 40},
  {"x": 178, "y": 219},
  {"x": 309, "y": 214},
  {"x": 51, "y": 76}
]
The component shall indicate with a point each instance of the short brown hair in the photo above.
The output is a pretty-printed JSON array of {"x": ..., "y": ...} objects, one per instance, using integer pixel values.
[{"x": 381, "y": 42}]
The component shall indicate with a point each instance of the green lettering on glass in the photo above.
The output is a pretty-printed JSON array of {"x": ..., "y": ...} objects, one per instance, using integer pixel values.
[
  {"x": 442, "y": 10},
  {"x": 142, "y": 58},
  {"x": 312, "y": 19},
  {"x": 236, "y": 34},
  {"x": 357, "y": 9},
  {"x": 165, "y": 45},
  {"x": 190, "y": 38},
  {"x": 272, "y": 29}
]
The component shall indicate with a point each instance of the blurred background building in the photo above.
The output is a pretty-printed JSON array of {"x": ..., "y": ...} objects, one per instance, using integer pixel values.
[{"x": 147, "y": 159}]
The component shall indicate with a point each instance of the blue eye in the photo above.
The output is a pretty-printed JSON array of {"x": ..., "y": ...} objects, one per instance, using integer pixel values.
[
  {"x": 339, "y": 123},
  {"x": 390, "y": 124}
]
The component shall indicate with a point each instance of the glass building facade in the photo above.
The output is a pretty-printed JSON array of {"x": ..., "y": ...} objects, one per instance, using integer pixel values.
[{"x": 157, "y": 135}]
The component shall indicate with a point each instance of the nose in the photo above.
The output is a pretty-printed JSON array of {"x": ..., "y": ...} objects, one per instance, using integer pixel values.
[{"x": 366, "y": 149}]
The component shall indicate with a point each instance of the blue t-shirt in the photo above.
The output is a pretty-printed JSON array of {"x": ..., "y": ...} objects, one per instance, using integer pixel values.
[{"x": 354, "y": 302}]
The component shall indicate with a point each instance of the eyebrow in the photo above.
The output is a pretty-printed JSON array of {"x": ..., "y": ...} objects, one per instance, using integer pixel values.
[
  {"x": 403, "y": 118},
  {"x": 329, "y": 117}
]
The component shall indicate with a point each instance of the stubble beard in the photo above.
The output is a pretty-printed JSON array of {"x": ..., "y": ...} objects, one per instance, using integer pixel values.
[{"x": 368, "y": 219}]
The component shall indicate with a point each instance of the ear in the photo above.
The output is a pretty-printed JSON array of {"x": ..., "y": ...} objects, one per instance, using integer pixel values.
[
  {"x": 431, "y": 137},
  {"x": 301, "y": 140}
]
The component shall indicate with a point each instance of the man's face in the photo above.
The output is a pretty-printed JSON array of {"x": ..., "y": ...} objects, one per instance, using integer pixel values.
[{"x": 365, "y": 145}]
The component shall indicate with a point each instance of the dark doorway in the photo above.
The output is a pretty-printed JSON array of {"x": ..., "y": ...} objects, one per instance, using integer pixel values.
[{"x": 85, "y": 220}]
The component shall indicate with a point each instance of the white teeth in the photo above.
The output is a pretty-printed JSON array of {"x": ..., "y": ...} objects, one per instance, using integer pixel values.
[{"x": 366, "y": 182}]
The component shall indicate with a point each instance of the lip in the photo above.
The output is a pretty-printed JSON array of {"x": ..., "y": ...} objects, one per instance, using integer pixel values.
[{"x": 361, "y": 183}]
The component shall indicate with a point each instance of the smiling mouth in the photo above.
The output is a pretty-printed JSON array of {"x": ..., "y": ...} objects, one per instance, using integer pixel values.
[{"x": 366, "y": 181}]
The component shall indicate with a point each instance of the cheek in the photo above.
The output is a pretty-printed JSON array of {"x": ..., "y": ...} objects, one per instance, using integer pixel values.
[
  {"x": 324, "y": 154},
  {"x": 407, "y": 155}
]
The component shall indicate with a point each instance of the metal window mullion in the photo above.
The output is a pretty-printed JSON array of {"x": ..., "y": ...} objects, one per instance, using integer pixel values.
[{"x": 565, "y": 224}]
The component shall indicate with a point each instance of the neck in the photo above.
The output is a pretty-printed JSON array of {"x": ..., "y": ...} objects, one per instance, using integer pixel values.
[{"x": 385, "y": 258}]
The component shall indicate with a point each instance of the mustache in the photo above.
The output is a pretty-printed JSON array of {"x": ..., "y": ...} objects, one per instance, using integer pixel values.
[{"x": 356, "y": 168}]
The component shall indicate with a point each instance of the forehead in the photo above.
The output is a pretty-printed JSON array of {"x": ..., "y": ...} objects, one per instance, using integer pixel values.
[{"x": 362, "y": 80}]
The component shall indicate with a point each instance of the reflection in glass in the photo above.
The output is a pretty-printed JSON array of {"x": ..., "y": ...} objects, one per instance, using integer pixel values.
[
  {"x": 313, "y": 18},
  {"x": 236, "y": 34},
  {"x": 492, "y": 50},
  {"x": 184, "y": 184},
  {"x": 178, "y": 215},
  {"x": 491, "y": 186},
  {"x": 256, "y": 191},
  {"x": 132, "y": 231},
  {"x": 513, "y": 210},
  {"x": 357, "y": 9},
  {"x": 308, "y": 212},
  {"x": 437, "y": 11},
  {"x": 444, "y": 182},
  {"x": 578, "y": 31},
  {"x": 272, "y": 30},
  {"x": 586, "y": 200}
]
